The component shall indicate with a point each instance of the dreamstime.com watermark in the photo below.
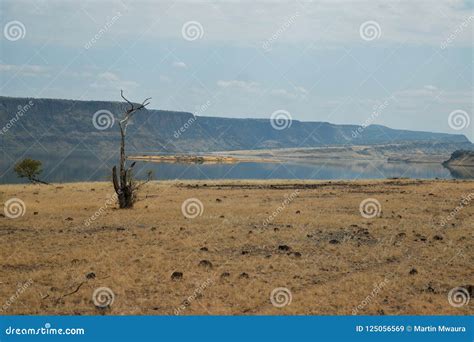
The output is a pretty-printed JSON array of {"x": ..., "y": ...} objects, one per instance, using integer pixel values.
[
  {"x": 457, "y": 31},
  {"x": 46, "y": 330},
  {"x": 267, "y": 44},
  {"x": 192, "y": 30},
  {"x": 14, "y": 30},
  {"x": 280, "y": 297},
  {"x": 376, "y": 111},
  {"x": 367, "y": 300},
  {"x": 103, "y": 119},
  {"x": 286, "y": 202},
  {"x": 196, "y": 293},
  {"x": 370, "y": 30},
  {"x": 458, "y": 296},
  {"x": 201, "y": 109},
  {"x": 102, "y": 31},
  {"x": 103, "y": 297},
  {"x": 281, "y": 119},
  {"x": 13, "y": 298},
  {"x": 20, "y": 112},
  {"x": 192, "y": 208},
  {"x": 108, "y": 203},
  {"x": 370, "y": 208},
  {"x": 14, "y": 208},
  {"x": 465, "y": 201}
]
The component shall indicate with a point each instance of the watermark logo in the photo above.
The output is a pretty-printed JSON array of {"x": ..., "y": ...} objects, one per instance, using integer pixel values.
[
  {"x": 459, "y": 119},
  {"x": 14, "y": 30},
  {"x": 14, "y": 208},
  {"x": 21, "y": 288},
  {"x": 20, "y": 112},
  {"x": 370, "y": 208},
  {"x": 103, "y": 119},
  {"x": 192, "y": 208},
  {"x": 197, "y": 292},
  {"x": 280, "y": 297},
  {"x": 457, "y": 31},
  {"x": 267, "y": 44},
  {"x": 102, "y": 31},
  {"x": 281, "y": 119},
  {"x": 367, "y": 300},
  {"x": 286, "y": 202},
  {"x": 458, "y": 296},
  {"x": 103, "y": 297},
  {"x": 370, "y": 30},
  {"x": 192, "y": 30}
]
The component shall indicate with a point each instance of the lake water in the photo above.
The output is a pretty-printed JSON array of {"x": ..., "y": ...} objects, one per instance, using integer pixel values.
[{"x": 89, "y": 166}]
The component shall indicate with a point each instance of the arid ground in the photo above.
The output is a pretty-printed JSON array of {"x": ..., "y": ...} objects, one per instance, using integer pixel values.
[{"x": 248, "y": 239}]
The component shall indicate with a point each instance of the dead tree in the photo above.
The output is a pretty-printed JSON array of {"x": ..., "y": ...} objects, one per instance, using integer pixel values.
[{"x": 124, "y": 184}]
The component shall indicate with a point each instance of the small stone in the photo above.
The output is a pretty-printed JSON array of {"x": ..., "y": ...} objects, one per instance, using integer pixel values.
[
  {"x": 333, "y": 242},
  {"x": 90, "y": 275},
  {"x": 69, "y": 219},
  {"x": 177, "y": 275},
  {"x": 218, "y": 200},
  {"x": 297, "y": 212},
  {"x": 243, "y": 275},
  {"x": 245, "y": 252},
  {"x": 297, "y": 254},
  {"x": 284, "y": 248},
  {"x": 204, "y": 249},
  {"x": 35, "y": 213},
  {"x": 225, "y": 275},
  {"x": 205, "y": 264},
  {"x": 437, "y": 237},
  {"x": 413, "y": 271}
]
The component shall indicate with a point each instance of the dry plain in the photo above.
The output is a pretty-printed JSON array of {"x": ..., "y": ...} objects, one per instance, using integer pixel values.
[{"x": 249, "y": 238}]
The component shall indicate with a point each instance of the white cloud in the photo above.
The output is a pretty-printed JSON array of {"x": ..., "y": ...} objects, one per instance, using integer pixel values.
[
  {"x": 109, "y": 80},
  {"x": 179, "y": 64},
  {"x": 243, "y": 85},
  {"x": 26, "y": 70}
]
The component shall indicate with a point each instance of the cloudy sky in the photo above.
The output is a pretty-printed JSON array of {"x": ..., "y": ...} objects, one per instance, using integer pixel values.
[{"x": 405, "y": 64}]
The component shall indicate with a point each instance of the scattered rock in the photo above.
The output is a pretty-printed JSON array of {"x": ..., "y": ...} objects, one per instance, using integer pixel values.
[
  {"x": 218, "y": 200},
  {"x": 35, "y": 213},
  {"x": 222, "y": 216},
  {"x": 204, "y": 249},
  {"x": 69, "y": 219},
  {"x": 243, "y": 275},
  {"x": 284, "y": 248},
  {"x": 297, "y": 254},
  {"x": 297, "y": 212},
  {"x": 334, "y": 242},
  {"x": 413, "y": 271},
  {"x": 205, "y": 264},
  {"x": 245, "y": 252},
  {"x": 225, "y": 275},
  {"x": 437, "y": 237},
  {"x": 177, "y": 275},
  {"x": 90, "y": 275},
  {"x": 276, "y": 229},
  {"x": 153, "y": 229}
]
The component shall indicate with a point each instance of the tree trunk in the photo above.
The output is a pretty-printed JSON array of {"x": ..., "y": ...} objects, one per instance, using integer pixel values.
[{"x": 123, "y": 184}]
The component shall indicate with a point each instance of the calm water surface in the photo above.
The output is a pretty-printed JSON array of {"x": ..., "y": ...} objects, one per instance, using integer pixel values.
[{"x": 89, "y": 166}]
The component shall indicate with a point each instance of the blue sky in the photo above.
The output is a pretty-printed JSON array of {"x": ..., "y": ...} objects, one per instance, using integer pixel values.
[{"x": 410, "y": 62}]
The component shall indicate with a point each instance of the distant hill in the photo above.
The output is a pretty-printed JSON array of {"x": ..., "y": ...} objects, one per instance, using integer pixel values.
[
  {"x": 63, "y": 124},
  {"x": 460, "y": 158}
]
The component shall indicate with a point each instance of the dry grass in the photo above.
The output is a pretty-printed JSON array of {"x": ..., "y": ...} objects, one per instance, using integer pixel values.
[{"x": 334, "y": 259}]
